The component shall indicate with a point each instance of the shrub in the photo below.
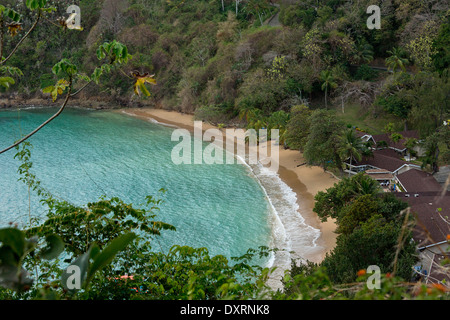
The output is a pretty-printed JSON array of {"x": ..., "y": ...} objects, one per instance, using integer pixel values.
[{"x": 365, "y": 73}]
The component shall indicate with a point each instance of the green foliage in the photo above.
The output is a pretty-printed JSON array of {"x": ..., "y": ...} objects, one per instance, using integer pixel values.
[
  {"x": 441, "y": 58},
  {"x": 365, "y": 73},
  {"x": 297, "y": 14},
  {"x": 396, "y": 60},
  {"x": 16, "y": 248},
  {"x": 6, "y": 81},
  {"x": 212, "y": 113},
  {"x": 394, "y": 104},
  {"x": 101, "y": 259},
  {"x": 306, "y": 281},
  {"x": 352, "y": 146},
  {"x": 36, "y": 4},
  {"x": 324, "y": 143},
  {"x": 9, "y": 13},
  {"x": 369, "y": 227},
  {"x": 191, "y": 273},
  {"x": 298, "y": 127},
  {"x": 332, "y": 202}
]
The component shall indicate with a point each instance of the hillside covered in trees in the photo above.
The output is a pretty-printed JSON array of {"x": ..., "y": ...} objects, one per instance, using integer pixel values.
[{"x": 249, "y": 62}]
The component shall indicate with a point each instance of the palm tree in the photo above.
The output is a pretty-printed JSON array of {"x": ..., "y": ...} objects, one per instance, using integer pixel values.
[
  {"x": 279, "y": 120},
  {"x": 257, "y": 8},
  {"x": 431, "y": 146},
  {"x": 363, "y": 52},
  {"x": 352, "y": 146},
  {"x": 328, "y": 82},
  {"x": 363, "y": 184},
  {"x": 396, "y": 60},
  {"x": 246, "y": 111},
  {"x": 410, "y": 144},
  {"x": 256, "y": 119}
]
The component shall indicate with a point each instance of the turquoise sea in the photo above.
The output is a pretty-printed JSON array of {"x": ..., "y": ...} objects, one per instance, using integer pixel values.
[{"x": 85, "y": 154}]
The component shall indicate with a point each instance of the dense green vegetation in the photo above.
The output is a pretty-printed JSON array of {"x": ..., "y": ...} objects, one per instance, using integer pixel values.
[
  {"x": 228, "y": 65},
  {"x": 221, "y": 62}
]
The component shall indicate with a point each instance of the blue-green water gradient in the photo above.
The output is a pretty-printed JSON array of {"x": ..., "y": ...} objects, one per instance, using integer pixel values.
[{"x": 84, "y": 154}]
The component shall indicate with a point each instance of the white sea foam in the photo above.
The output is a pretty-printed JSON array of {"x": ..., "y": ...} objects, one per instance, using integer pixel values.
[{"x": 290, "y": 233}]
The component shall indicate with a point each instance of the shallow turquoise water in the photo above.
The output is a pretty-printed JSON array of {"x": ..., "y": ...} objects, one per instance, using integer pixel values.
[{"x": 83, "y": 155}]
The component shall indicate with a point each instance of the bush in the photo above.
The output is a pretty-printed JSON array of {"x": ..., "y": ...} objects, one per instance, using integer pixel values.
[
  {"x": 365, "y": 73},
  {"x": 212, "y": 113}
]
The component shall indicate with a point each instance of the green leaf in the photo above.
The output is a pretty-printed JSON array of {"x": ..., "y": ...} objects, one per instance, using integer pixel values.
[
  {"x": 13, "y": 15},
  {"x": 65, "y": 68},
  {"x": 55, "y": 246},
  {"x": 7, "y": 257},
  {"x": 6, "y": 81},
  {"x": 105, "y": 257},
  {"x": 35, "y": 4},
  {"x": 144, "y": 89},
  {"x": 49, "y": 9},
  {"x": 48, "y": 89},
  {"x": 13, "y": 238}
]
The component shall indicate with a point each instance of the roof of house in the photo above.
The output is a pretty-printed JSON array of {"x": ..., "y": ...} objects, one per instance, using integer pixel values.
[
  {"x": 361, "y": 134},
  {"x": 379, "y": 174},
  {"x": 399, "y": 145},
  {"x": 386, "y": 159},
  {"x": 415, "y": 180},
  {"x": 431, "y": 210}
]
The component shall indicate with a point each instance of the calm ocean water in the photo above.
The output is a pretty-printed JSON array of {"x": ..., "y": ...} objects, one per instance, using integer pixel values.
[{"x": 83, "y": 155}]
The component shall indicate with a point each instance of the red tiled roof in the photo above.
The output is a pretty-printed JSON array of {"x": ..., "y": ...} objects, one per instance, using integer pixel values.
[
  {"x": 431, "y": 224},
  {"x": 383, "y": 159},
  {"x": 361, "y": 133},
  {"x": 415, "y": 180},
  {"x": 379, "y": 174},
  {"x": 400, "y": 145}
]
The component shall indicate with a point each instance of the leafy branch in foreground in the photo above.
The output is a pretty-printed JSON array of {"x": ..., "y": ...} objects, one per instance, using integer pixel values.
[
  {"x": 67, "y": 73},
  {"x": 15, "y": 248},
  {"x": 112, "y": 55}
]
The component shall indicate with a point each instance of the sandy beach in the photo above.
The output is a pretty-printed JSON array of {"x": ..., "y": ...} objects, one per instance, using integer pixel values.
[{"x": 305, "y": 181}]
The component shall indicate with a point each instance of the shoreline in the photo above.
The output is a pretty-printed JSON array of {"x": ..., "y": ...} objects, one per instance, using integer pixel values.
[{"x": 304, "y": 181}]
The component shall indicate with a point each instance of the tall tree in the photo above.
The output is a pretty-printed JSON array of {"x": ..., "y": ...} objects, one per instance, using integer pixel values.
[
  {"x": 328, "y": 83},
  {"x": 431, "y": 146},
  {"x": 298, "y": 127},
  {"x": 396, "y": 60},
  {"x": 352, "y": 146},
  {"x": 324, "y": 140},
  {"x": 257, "y": 8}
]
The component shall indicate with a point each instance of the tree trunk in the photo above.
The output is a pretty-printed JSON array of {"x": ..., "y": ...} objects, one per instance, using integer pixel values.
[
  {"x": 350, "y": 167},
  {"x": 435, "y": 162}
]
